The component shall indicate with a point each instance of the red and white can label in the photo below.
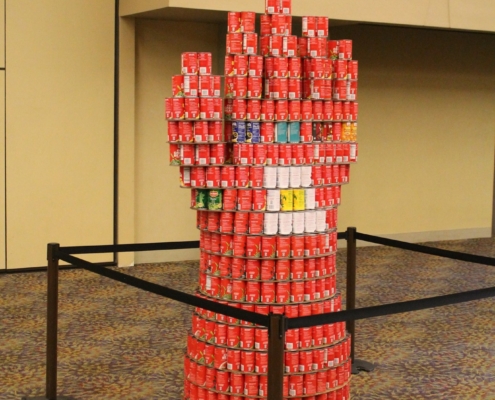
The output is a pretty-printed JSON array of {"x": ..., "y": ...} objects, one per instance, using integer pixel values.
[
  {"x": 239, "y": 109},
  {"x": 233, "y": 22},
  {"x": 259, "y": 201},
  {"x": 306, "y": 110},
  {"x": 173, "y": 131},
  {"x": 272, "y": 6},
  {"x": 318, "y": 110},
  {"x": 198, "y": 177},
  {"x": 289, "y": 46},
  {"x": 268, "y": 246},
  {"x": 255, "y": 66},
  {"x": 278, "y": 24},
  {"x": 248, "y": 19},
  {"x": 234, "y": 43},
  {"x": 242, "y": 177},
  {"x": 206, "y": 108},
  {"x": 254, "y": 87},
  {"x": 352, "y": 70},
  {"x": 306, "y": 132},
  {"x": 186, "y": 131},
  {"x": 229, "y": 65},
  {"x": 337, "y": 111},
  {"x": 309, "y": 27},
  {"x": 272, "y": 154},
  {"x": 275, "y": 47},
  {"x": 353, "y": 111},
  {"x": 253, "y": 112},
  {"x": 206, "y": 86},
  {"x": 256, "y": 223},
  {"x": 204, "y": 63},
  {"x": 281, "y": 110},
  {"x": 250, "y": 43},
  {"x": 189, "y": 63},
  {"x": 280, "y": 67},
  {"x": 294, "y": 88},
  {"x": 294, "y": 110},
  {"x": 256, "y": 176},
  {"x": 339, "y": 69},
  {"x": 229, "y": 199},
  {"x": 345, "y": 49},
  {"x": 267, "y": 132},
  {"x": 191, "y": 108},
  {"x": 302, "y": 47},
  {"x": 322, "y": 27},
  {"x": 178, "y": 85},
  {"x": 267, "y": 110},
  {"x": 215, "y": 131},
  {"x": 265, "y": 25},
  {"x": 333, "y": 49}
]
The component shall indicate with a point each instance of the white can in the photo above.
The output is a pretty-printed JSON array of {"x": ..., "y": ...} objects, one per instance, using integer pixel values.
[
  {"x": 270, "y": 224},
  {"x": 273, "y": 200},
  {"x": 298, "y": 222},
  {"x": 270, "y": 177},
  {"x": 321, "y": 220},
  {"x": 283, "y": 177},
  {"x": 285, "y": 223},
  {"x": 309, "y": 221},
  {"x": 309, "y": 198},
  {"x": 295, "y": 177},
  {"x": 306, "y": 176}
]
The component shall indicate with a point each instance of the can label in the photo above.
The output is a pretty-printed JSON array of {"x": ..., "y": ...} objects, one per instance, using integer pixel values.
[
  {"x": 289, "y": 46},
  {"x": 234, "y": 43},
  {"x": 259, "y": 200},
  {"x": 250, "y": 43},
  {"x": 198, "y": 177},
  {"x": 189, "y": 63},
  {"x": 267, "y": 110},
  {"x": 229, "y": 199},
  {"x": 281, "y": 110},
  {"x": 256, "y": 177},
  {"x": 268, "y": 246},
  {"x": 204, "y": 63},
  {"x": 233, "y": 22},
  {"x": 256, "y": 221},
  {"x": 255, "y": 65},
  {"x": 309, "y": 26},
  {"x": 248, "y": 19}
]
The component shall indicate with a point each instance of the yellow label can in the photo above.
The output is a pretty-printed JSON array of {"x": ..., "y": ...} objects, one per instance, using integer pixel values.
[
  {"x": 299, "y": 202},
  {"x": 287, "y": 200}
]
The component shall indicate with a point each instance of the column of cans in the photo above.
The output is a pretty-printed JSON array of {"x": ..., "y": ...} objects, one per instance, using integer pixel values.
[{"x": 255, "y": 253}]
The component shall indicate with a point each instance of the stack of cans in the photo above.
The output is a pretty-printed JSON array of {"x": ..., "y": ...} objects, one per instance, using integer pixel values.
[{"x": 265, "y": 156}]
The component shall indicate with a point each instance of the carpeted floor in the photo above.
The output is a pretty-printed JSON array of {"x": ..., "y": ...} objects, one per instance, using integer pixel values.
[{"x": 117, "y": 342}]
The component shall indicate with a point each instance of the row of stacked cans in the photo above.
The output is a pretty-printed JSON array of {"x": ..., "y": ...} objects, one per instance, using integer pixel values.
[
  {"x": 257, "y": 247},
  {"x": 260, "y": 154},
  {"x": 259, "y": 177},
  {"x": 263, "y": 223}
]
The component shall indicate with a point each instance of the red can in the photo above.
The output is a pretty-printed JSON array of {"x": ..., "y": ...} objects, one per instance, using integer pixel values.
[
  {"x": 191, "y": 108},
  {"x": 294, "y": 110},
  {"x": 339, "y": 69},
  {"x": 256, "y": 176},
  {"x": 353, "y": 111},
  {"x": 272, "y": 154},
  {"x": 240, "y": 65},
  {"x": 178, "y": 85},
  {"x": 283, "y": 292},
  {"x": 297, "y": 246},
  {"x": 352, "y": 70},
  {"x": 352, "y": 90},
  {"x": 252, "y": 292},
  {"x": 255, "y": 66},
  {"x": 189, "y": 63},
  {"x": 309, "y": 27},
  {"x": 233, "y": 22},
  {"x": 281, "y": 110},
  {"x": 254, "y": 84},
  {"x": 278, "y": 24},
  {"x": 244, "y": 199},
  {"x": 294, "y": 88},
  {"x": 229, "y": 199},
  {"x": 285, "y": 154},
  {"x": 256, "y": 223},
  {"x": 302, "y": 47},
  {"x": 268, "y": 246},
  {"x": 198, "y": 177},
  {"x": 206, "y": 108},
  {"x": 337, "y": 111},
  {"x": 306, "y": 133},
  {"x": 298, "y": 154},
  {"x": 327, "y": 110},
  {"x": 294, "y": 67},
  {"x": 173, "y": 131},
  {"x": 282, "y": 270},
  {"x": 248, "y": 19},
  {"x": 267, "y": 270},
  {"x": 268, "y": 292},
  {"x": 186, "y": 131},
  {"x": 289, "y": 46},
  {"x": 229, "y": 65},
  {"x": 265, "y": 46},
  {"x": 239, "y": 86},
  {"x": 280, "y": 67},
  {"x": 275, "y": 45},
  {"x": 261, "y": 364},
  {"x": 250, "y": 43},
  {"x": 259, "y": 200},
  {"x": 247, "y": 342},
  {"x": 204, "y": 63},
  {"x": 174, "y": 108},
  {"x": 239, "y": 109},
  {"x": 296, "y": 385},
  {"x": 242, "y": 177},
  {"x": 253, "y": 249},
  {"x": 213, "y": 177},
  {"x": 322, "y": 27},
  {"x": 306, "y": 110},
  {"x": 272, "y": 6},
  {"x": 234, "y": 43},
  {"x": 238, "y": 290},
  {"x": 267, "y": 110},
  {"x": 239, "y": 246},
  {"x": 345, "y": 49},
  {"x": 265, "y": 25},
  {"x": 318, "y": 110}
]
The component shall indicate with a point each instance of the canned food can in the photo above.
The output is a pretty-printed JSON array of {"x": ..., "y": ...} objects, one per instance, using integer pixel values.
[
  {"x": 242, "y": 177},
  {"x": 213, "y": 177},
  {"x": 250, "y": 44},
  {"x": 244, "y": 200},
  {"x": 294, "y": 111},
  {"x": 345, "y": 49},
  {"x": 253, "y": 248},
  {"x": 289, "y": 46},
  {"x": 267, "y": 110},
  {"x": 272, "y": 154},
  {"x": 233, "y": 22},
  {"x": 178, "y": 85},
  {"x": 234, "y": 43},
  {"x": 309, "y": 26},
  {"x": 254, "y": 84},
  {"x": 248, "y": 19},
  {"x": 255, "y": 66},
  {"x": 252, "y": 291},
  {"x": 189, "y": 63},
  {"x": 204, "y": 63},
  {"x": 302, "y": 47},
  {"x": 239, "y": 246},
  {"x": 273, "y": 200},
  {"x": 265, "y": 25},
  {"x": 268, "y": 246},
  {"x": 191, "y": 108},
  {"x": 281, "y": 110},
  {"x": 294, "y": 67},
  {"x": 229, "y": 199},
  {"x": 287, "y": 200},
  {"x": 238, "y": 290},
  {"x": 285, "y": 223},
  {"x": 275, "y": 47},
  {"x": 259, "y": 200},
  {"x": 298, "y": 157},
  {"x": 296, "y": 385},
  {"x": 241, "y": 223},
  {"x": 285, "y": 154},
  {"x": 322, "y": 26},
  {"x": 270, "y": 224},
  {"x": 267, "y": 270},
  {"x": 283, "y": 291},
  {"x": 268, "y": 292}
]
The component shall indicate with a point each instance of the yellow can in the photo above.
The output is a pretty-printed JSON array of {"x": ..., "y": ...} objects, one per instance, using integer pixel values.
[
  {"x": 346, "y": 131},
  {"x": 354, "y": 127},
  {"x": 298, "y": 196},
  {"x": 286, "y": 200}
]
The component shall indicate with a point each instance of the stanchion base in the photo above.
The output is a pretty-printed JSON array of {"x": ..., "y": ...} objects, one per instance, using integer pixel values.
[
  {"x": 361, "y": 365},
  {"x": 45, "y": 398}
]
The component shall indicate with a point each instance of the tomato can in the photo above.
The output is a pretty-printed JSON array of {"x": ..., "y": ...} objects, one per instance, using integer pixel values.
[
  {"x": 241, "y": 222},
  {"x": 280, "y": 67},
  {"x": 178, "y": 85},
  {"x": 272, "y": 154},
  {"x": 248, "y": 19},
  {"x": 247, "y": 342},
  {"x": 255, "y": 66},
  {"x": 238, "y": 290},
  {"x": 261, "y": 335},
  {"x": 292, "y": 335},
  {"x": 306, "y": 110},
  {"x": 244, "y": 199},
  {"x": 229, "y": 199},
  {"x": 268, "y": 246},
  {"x": 309, "y": 26},
  {"x": 267, "y": 110},
  {"x": 275, "y": 47},
  {"x": 296, "y": 385},
  {"x": 289, "y": 46},
  {"x": 272, "y": 6},
  {"x": 261, "y": 364},
  {"x": 267, "y": 270},
  {"x": 352, "y": 90},
  {"x": 233, "y": 22},
  {"x": 204, "y": 63},
  {"x": 294, "y": 88},
  {"x": 191, "y": 108},
  {"x": 283, "y": 292},
  {"x": 253, "y": 249},
  {"x": 265, "y": 46},
  {"x": 322, "y": 26},
  {"x": 253, "y": 110},
  {"x": 265, "y": 25},
  {"x": 254, "y": 84},
  {"x": 213, "y": 177},
  {"x": 234, "y": 43},
  {"x": 256, "y": 221},
  {"x": 345, "y": 49},
  {"x": 239, "y": 65},
  {"x": 173, "y": 131},
  {"x": 268, "y": 292},
  {"x": 174, "y": 108},
  {"x": 281, "y": 110},
  {"x": 302, "y": 47},
  {"x": 226, "y": 241},
  {"x": 189, "y": 63},
  {"x": 252, "y": 292},
  {"x": 317, "y": 47},
  {"x": 259, "y": 200},
  {"x": 250, "y": 43},
  {"x": 186, "y": 131},
  {"x": 278, "y": 24},
  {"x": 318, "y": 110},
  {"x": 306, "y": 134},
  {"x": 242, "y": 177},
  {"x": 206, "y": 108},
  {"x": 285, "y": 154},
  {"x": 239, "y": 246},
  {"x": 294, "y": 67}
]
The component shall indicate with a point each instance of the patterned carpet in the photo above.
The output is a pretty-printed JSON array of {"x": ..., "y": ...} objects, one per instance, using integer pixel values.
[{"x": 117, "y": 342}]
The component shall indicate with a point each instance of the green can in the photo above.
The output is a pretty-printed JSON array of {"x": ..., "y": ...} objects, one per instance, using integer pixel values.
[
  {"x": 201, "y": 198},
  {"x": 215, "y": 200}
]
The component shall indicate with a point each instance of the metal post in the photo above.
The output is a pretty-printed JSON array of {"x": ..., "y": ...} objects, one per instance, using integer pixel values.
[
  {"x": 276, "y": 332},
  {"x": 357, "y": 365},
  {"x": 52, "y": 322},
  {"x": 51, "y": 326}
]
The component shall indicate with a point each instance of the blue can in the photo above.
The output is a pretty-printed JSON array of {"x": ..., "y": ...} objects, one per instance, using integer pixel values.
[
  {"x": 281, "y": 132},
  {"x": 238, "y": 132},
  {"x": 253, "y": 134},
  {"x": 294, "y": 132}
]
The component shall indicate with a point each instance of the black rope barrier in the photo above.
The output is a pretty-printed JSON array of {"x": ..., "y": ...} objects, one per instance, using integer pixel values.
[
  {"x": 125, "y": 248},
  {"x": 426, "y": 249},
  {"x": 164, "y": 291},
  {"x": 389, "y": 309}
]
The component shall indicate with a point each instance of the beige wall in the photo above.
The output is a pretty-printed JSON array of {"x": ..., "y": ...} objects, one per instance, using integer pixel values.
[
  {"x": 426, "y": 133},
  {"x": 162, "y": 208},
  {"x": 59, "y": 130}
]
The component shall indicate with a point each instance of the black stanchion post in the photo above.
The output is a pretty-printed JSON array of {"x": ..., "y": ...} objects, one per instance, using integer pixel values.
[
  {"x": 357, "y": 365},
  {"x": 51, "y": 326},
  {"x": 276, "y": 356}
]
